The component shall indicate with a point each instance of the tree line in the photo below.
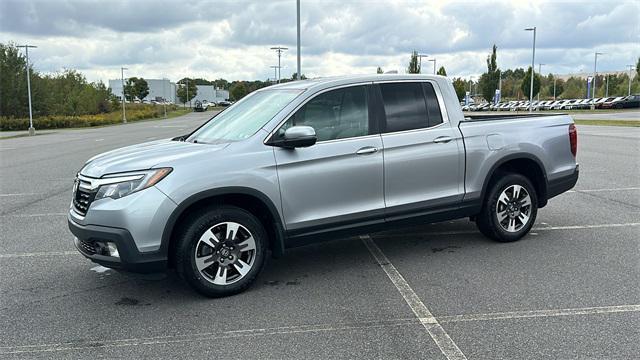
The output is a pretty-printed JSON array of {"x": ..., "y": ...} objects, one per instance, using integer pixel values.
[{"x": 515, "y": 83}]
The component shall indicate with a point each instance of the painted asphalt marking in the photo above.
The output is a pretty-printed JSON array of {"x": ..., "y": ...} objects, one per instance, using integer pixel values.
[
  {"x": 603, "y": 190},
  {"x": 435, "y": 330},
  {"x": 361, "y": 325},
  {"x": 38, "y": 254},
  {"x": 541, "y": 313},
  {"x": 34, "y": 215},
  {"x": 19, "y": 194}
]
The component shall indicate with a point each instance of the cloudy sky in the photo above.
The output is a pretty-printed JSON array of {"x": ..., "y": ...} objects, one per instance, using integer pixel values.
[{"x": 231, "y": 39}]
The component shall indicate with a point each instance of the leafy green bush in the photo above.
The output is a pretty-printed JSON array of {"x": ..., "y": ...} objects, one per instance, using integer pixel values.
[{"x": 135, "y": 112}]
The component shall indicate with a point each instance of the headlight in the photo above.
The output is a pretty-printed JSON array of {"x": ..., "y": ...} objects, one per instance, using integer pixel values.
[{"x": 119, "y": 185}]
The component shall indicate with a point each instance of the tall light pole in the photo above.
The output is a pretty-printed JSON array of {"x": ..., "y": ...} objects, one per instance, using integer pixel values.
[
  {"x": 606, "y": 93},
  {"x": 164, "y": 96},
  {"x": 188, "y": 93},
  {"x": 595, "y": 64},
  {"x": 279, "y": 50},
  {"x": 420, "y": 56},
  {"x": 434, "y": 65},
  {"x": 554, "y": 87},
  {"x": 32, "y": 130},
  {"x": 275, "y": 73},
  {"x": 630, "y": 68},
  {"x": 124, "y": 111},
  {"x": 540, "y": 72},
  {"x": 299, "y": 76},
  {"x": 533, "y": 61}
]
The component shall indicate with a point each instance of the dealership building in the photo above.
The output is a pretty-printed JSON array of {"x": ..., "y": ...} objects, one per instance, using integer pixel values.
[{"x": 161, "y": 89}]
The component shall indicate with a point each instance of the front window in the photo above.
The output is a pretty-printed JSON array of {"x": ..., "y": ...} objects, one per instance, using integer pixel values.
[{"x": 244, "y": 118}]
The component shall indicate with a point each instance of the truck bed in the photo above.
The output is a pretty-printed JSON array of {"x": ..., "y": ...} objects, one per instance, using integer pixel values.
[{"x": 492, "y": 117}]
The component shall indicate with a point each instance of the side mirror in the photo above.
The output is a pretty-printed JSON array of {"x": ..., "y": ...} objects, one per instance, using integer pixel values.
[{"x": 296, "y": 136}]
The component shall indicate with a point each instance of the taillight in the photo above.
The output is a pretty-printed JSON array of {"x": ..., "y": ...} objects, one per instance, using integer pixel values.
[{"x": 573, "y": 139}]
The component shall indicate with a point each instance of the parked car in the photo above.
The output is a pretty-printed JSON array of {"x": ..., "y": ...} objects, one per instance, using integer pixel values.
[
  {"x": 301, "y": 162},
  {"x": 612, "y": 104},
  {"x": 224, "y": 103},
  {"x": 631, "y": 101},
  {"x": 198, "y": 106}
]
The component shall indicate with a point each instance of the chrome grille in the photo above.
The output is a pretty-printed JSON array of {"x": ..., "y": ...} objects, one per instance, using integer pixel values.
[{"x": 83, "y": 195}]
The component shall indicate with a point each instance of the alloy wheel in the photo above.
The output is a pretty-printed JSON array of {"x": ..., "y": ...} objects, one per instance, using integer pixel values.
[{"x": 513, "y": 209}]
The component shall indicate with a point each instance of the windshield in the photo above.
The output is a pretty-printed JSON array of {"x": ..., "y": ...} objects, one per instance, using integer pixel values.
[{"x": 245, "y": 118}]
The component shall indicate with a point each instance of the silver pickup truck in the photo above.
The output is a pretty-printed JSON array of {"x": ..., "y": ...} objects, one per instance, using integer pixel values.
[{"x": 315, "y": 160}]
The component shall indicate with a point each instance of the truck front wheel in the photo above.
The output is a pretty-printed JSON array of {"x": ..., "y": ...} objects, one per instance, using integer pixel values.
[
  {"x": 509, "y": 209},
  {"x": 221, "y": 251}
]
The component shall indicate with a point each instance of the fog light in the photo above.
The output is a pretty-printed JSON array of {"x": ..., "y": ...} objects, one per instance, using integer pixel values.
[{"x": 112, "y": 249}]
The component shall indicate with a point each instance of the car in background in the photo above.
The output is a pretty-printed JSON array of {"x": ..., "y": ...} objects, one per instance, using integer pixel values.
[
  {"x": 224, "y": 103},
  {"x": 631, "y": 101},
  {"x": 198, "y": 107},
  {"x": 612, "y": 104}
]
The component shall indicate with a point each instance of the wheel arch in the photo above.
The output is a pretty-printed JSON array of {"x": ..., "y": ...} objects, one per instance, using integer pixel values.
[
  {"x": 521, "y": 163},
  {"x": 248, "y": 199}
]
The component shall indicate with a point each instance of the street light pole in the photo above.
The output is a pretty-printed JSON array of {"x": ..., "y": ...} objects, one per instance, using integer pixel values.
[
  {"x": 279, "y": 50},
  {"x": 420, "y": 56},
  {"x": 188, "y": 93},
  {"x": 533, "y": 61},
  {"x": 606, "y": 94},
  {"x": 554, "y": 88},
  {"x": 299, "y": 77},
  {"x": 275, "y": 73},
  {"x": 434, "y": 65},
  {"x": 32, "y": 130},
  {"x": 630, "y": 68},
  {"x": 595, "y": 64},
  {"x": 164, "y": 96},
  {"x": 124, "y": 99},
  {"x": 540, "y": 72}
]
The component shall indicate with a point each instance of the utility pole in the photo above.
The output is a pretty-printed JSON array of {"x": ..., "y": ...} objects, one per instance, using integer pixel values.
[
  {"x": 554, "y": 88},
  {"x": 124, "y": 99},
  {"x": 630, "y": 68},
  {"x": 279, "y": 50},
  {"x": 420, "y": 56},
  {"x": 606, "y": 93},
  {"x": 275, "y": 73},
  {"x": 533, "y": 61},
  {"x": 299, "y": 77},
  {"x": 188, "y": 93},
  {"x": 164, "y": 96},
  {"x": 595, "y": 64},
  {"x": 32, "y": 130},
  {"x": 540, "y": 72},
  {"x": 434, "y": 65}
]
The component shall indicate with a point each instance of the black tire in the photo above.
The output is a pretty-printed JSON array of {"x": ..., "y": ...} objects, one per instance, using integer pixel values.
[
  {"x": 487, "y": 221},
  {"x": 188, "y": 242}
]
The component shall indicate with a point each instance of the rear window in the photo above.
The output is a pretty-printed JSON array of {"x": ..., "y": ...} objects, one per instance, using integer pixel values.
[
  {"x": 404, "y": 106},
  {"x": 433, "y": 108}
]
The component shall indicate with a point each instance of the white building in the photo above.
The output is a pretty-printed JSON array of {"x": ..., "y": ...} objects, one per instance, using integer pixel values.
[
  {"x": 159, "y": 89},
  {"x": 211, "y": 94}
]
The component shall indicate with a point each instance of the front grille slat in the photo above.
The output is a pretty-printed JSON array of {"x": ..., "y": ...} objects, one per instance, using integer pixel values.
[{"x": 83, "y": 197}]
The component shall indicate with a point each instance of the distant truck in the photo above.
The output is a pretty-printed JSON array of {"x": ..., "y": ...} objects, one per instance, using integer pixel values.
[
  {"x": 316, "y": 160},
  {"x": 198, "y": 107}
]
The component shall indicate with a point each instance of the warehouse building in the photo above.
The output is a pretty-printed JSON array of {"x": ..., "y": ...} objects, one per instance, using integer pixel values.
[
  {"x": 211, "y": 94},
  {"x": 159, "y": 89}
]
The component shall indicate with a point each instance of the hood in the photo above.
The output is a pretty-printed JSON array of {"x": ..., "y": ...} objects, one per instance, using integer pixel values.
[{"x": 144, "y": 156}]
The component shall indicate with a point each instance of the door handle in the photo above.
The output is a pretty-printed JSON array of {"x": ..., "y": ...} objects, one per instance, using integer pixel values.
[
  {"x": 442, "y": 139},
  {"x": 367, "y": 150}
]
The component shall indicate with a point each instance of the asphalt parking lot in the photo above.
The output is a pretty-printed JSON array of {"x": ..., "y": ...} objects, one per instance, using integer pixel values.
[{"x": 568, "y": 290}]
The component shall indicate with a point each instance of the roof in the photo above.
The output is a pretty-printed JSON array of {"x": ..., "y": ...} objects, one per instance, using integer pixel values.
[{"x": 325, "y": 82}]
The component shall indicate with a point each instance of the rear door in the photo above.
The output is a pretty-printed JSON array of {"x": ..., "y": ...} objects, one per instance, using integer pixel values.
[
  {"x": 338, "y": 181},
  {"x": 423, "y": 154}
]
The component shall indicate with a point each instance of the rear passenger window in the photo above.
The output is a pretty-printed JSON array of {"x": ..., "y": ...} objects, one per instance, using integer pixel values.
[
  {"x": 336, "y": 114},
  {"x": 433, "y": 108},
  {"x": 404, "y": 106}
]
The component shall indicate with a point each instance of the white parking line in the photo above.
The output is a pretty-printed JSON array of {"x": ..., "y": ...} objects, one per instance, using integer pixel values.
[
  {"x": 34, "y": 215},
  {"x": 19, "y": 194},
  {"x": 36, "y": 254},
  {"x": 311, "y": 328},
  {"x": 435, "y": 330},
  {"x": 541, "y": 313},
  {"x": 603, "y": 190}
]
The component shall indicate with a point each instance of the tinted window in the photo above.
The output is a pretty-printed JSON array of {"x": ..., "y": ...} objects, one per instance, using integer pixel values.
[
  {"x": 336, "y": 114},
  {"x": 404, "y": 106},
  {"x": 433, "y": 108}
]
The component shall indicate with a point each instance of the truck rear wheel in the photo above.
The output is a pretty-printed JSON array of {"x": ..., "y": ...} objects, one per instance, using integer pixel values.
[
  {"x": 509, "y": 210},
  {"x": 221, "y": 251}
]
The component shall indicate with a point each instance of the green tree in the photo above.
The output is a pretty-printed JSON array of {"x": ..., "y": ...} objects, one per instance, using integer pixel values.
[
  {"x": 141, "y": 88},
  {"x": 186, "y": 90},
  {"x": 489, "y": 81},
  {"x": 638, "y": 68},
  {"x": 442, "y": 71},
  {"x": 129, "y": 89},
  {"x": 379, "y": 70},
  {"x": 238, "y": 90},
  {"x": 461, "y": 88},
  {"x": 13, "y": 82},
  {"x": 414, "y": 66},
  {"x": 526, "y": 84}
]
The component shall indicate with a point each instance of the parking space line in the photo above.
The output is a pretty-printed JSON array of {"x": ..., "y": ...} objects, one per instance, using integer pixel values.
[
  {"x": 430, "y": 323},
  {"x": 36, "y": 254},
  {"x": 541, "y": 313},
  {"x": 603, "y": 190},
  {"x": 19, "y": 194},
  {"x": 34, "y": 215}
]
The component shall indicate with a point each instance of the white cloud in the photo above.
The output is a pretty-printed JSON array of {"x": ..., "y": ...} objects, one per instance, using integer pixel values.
[{"x": 232, "y": 39}]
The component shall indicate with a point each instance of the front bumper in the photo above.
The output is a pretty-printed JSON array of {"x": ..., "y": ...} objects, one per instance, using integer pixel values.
[{"x": 87, "y": 238}]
